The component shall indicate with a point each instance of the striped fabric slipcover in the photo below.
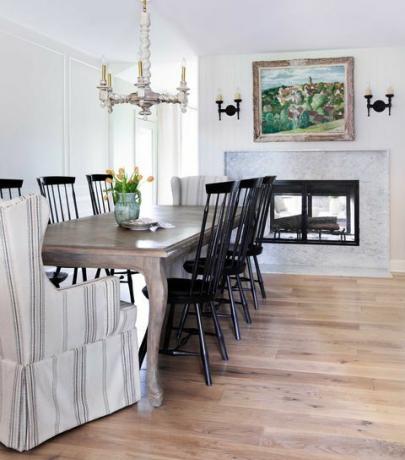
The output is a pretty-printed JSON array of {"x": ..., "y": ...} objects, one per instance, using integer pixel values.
[
  {"x": 67, "y": 356},
  {"x": 190, "y": 191}
]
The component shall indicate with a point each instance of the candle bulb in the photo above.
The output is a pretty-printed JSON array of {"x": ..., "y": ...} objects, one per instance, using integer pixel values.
[
  {"x": 368, "y": 92},
  {"x": 220, "y": 98},
  {"x": 390, "y": 90},
  {"x": 140, "y": 69},
  {"x": 110, "y": 80},
  {"x": 103, "y": 72},
  {"x": 237, "y": 95},
  {"x": 183, "y": 70}
]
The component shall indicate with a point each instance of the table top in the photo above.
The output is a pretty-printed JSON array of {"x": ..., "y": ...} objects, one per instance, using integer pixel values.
[{"x": 98, "y": 234}]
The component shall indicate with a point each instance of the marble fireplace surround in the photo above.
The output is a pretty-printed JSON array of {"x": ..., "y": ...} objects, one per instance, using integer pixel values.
[{"x": 370, "y": 167}]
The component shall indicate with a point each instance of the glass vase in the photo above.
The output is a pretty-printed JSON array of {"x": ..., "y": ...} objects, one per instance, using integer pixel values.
[{"x": 127, "y": 207}]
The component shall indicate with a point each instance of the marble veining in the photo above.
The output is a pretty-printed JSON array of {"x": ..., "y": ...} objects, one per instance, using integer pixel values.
[{"x": 370, "y": 167}]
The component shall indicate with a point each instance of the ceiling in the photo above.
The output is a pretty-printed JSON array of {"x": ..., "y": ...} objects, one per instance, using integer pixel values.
[{"x": 205, "y": 27}]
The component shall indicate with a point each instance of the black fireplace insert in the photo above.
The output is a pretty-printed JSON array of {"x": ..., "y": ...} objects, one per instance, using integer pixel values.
[{"x": 315, "y": 212}]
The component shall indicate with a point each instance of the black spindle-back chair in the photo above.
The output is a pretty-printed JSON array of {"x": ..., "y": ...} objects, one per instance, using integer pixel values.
[
  {"x": 201, "y": 289},
  {"x": 237, "y": 257},
  {"x": 61, "y": 196},
  {"x": 100, "y": 193},
  {"x": 10, "y": 188},
  {"x": 235, "y": 264},
  {"x": 256, "y": 245},
  {"x": 101, "y": 203}
]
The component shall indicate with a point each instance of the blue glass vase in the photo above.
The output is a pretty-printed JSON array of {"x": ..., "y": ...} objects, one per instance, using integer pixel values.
[{"x": 127, "y": 207}]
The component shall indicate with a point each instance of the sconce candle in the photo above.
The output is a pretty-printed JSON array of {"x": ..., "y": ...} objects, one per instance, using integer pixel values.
[
  {"x": 230, "y": 110},
  {"x": 379, "y": 105}
]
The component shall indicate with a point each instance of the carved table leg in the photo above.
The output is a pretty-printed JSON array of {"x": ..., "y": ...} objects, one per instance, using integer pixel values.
[{"x": 156, "y": 281}]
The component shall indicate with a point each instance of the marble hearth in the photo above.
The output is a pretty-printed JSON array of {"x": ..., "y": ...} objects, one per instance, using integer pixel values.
[{"x": 370, "y": 168}]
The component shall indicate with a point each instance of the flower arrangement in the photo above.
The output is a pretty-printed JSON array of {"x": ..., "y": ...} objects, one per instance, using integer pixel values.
[{"x": 124, "y": 183}]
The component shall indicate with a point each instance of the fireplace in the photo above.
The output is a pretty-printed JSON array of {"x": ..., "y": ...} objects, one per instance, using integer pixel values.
[{"x": 315, "y": 212}]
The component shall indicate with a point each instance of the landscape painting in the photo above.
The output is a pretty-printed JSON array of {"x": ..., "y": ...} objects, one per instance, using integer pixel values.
[{"x": 303, "y": 100}]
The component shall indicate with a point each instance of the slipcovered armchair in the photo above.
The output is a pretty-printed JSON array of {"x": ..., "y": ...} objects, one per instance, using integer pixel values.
[
  {"x": 190, "y": 191},
  {"x": 67, "y": 356}
]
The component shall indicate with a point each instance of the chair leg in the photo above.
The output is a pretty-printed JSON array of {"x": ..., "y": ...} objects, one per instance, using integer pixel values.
[
  {"x": 259, "y": 277},
  {"x": 130, "y": 287},
  {"x": 183, "y": 319},
  {"x": 143, "y": 349},
  {"x": 169, "y": 327},
  {"x": 84, "y": 274},
  {"x": 245, "y": 305},
  {"x": 252, "y": 283},
  {"x": 75, "y": 271},
  {"x": 234, "y": 313},
  {"x": 203, "y": 346},
  {"x": 98, "y": 273},
  {"x": 219, "y": 333}
]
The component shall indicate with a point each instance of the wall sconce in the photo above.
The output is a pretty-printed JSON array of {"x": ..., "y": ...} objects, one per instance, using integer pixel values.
[
  {"x": 379, "y": 105},
  {"x": 230, "y": 110}
]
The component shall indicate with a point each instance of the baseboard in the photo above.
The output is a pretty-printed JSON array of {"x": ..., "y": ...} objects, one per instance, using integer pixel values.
[
  {"x": 397, "y": 265},
  {"x": 325, "y": 271}
]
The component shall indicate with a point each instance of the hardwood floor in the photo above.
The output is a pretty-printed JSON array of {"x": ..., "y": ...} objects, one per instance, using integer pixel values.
[{"x": 319, "y": 375}]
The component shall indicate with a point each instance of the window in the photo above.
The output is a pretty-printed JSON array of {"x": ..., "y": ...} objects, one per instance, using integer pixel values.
[{"x": 145, "y": 157}]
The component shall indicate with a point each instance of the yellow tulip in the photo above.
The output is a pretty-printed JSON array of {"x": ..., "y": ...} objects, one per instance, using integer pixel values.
[
  {"x": 110, "y": 172},
  {"x": 136, "y": 170},
  {"x": 121, "y": 172},
  {"x": 109, "y": 180}
]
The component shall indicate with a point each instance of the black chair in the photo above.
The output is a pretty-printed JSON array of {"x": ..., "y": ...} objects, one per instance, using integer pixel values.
[
  {"x": 101, "y": 202},
  {"x": 10, "y": 188},
  {"x": 235, "y": 264},
  {"x": 100, "y": 193},
  {"x": 201, "y": 289},
  {"x": 61, "y": 196},
  {"x": 256, "y": 245}
]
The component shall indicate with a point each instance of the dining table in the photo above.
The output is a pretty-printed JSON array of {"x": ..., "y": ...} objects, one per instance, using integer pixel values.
[{"x": 98, "y": 242}]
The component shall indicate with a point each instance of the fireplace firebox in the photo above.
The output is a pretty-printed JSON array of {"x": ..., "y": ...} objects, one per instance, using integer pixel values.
[{"x": 315, "y": 212}]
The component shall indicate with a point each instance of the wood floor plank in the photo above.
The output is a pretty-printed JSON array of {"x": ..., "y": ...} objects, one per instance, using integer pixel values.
[{"x": 319, "y": 375}]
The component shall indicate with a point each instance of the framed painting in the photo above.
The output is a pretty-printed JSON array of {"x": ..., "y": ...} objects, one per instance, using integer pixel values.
[{"x": 303, "y": 100}]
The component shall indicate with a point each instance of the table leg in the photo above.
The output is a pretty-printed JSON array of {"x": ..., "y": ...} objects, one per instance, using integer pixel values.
[{"x": 156, "y": 281}]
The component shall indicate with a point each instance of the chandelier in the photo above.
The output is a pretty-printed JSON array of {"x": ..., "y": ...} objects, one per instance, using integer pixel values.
[{"x": 144, "y": 97}]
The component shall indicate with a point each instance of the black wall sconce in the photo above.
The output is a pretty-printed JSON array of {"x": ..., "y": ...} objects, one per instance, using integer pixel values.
[
  {"x": 379, "y": 105},
  {"x": 230, "y": 110}
]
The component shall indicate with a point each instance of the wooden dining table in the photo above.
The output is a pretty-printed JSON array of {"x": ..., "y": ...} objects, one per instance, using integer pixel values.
[{"x": 98, "y": 241}]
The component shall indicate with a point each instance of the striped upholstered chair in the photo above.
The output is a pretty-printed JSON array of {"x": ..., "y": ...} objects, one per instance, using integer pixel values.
[
  {"x": 67, "y": 356},
  {"x": 190, "y": 191}
]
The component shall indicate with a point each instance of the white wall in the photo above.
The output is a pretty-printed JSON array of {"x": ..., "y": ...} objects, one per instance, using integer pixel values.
[
  {"x": 51, "y": 122},
  {"x": 380, "y": 67}
]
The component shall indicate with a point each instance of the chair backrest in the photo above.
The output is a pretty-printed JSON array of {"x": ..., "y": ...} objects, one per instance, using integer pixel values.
[
  {"x": 100, "y": 193},
  {"x": 249, "y": 192},
  {"x": 10, "y": 188},
  {"x": 216, "y": 231},
  {"x": 190, "y": 191},
  {"x": 262, "y": 209},
  {"x": 23, "y": 285},
  {"x": 61, "y": 196}
]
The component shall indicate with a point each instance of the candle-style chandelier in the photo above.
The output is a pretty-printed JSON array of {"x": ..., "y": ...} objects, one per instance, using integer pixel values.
[{"x": 144, "y": 97}]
